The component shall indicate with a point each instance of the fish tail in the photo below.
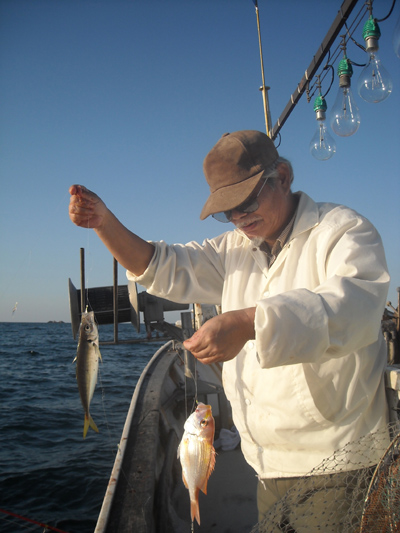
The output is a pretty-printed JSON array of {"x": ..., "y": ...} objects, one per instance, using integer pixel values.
[
  {"x": 194, "y": 507},
  {"x": 89, "y": 422}
]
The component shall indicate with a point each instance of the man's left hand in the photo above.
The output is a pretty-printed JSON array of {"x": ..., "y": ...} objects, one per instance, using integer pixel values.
[{"x": 222, "y": 337}]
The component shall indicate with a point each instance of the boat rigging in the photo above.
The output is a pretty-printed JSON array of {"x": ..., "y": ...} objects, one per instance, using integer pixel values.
[{"x": 306, "y": 84}]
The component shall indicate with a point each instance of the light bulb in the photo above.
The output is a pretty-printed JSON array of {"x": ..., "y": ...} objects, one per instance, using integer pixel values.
[
  {"x": 345, "y": 116},
  {"x": 322, "y": 146},
  {"x": 374, "y": 83},
  {"x": 396, "y": 39}
]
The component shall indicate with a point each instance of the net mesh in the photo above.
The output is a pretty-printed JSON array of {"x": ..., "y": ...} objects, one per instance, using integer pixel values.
[
  {"x": 382, "y": 504},
  {"x": 341, "y": 495}
]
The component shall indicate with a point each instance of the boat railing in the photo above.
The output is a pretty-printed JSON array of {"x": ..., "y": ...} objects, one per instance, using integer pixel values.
[{"x": 117, "y": 304}]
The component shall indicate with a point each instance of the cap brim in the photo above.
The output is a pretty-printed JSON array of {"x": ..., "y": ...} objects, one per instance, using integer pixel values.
[{"x": 229, "y": 197}]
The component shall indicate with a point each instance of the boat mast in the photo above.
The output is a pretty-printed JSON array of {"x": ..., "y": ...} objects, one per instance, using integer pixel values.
[{"x": 263, "y": 88}]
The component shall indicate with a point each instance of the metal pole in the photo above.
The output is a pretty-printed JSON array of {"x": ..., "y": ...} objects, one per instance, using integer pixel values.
[
  {"x": 83, "y": 299},
  {"x": 263, "y": 88},
  {"x": 115, "y": 301}
]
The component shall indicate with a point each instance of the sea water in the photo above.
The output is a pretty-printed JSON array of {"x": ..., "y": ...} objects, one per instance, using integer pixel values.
[{"x": 48, "y": 472}]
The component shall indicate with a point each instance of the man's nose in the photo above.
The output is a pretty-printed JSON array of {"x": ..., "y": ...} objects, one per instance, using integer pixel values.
[{"x": 237, "y": 215}]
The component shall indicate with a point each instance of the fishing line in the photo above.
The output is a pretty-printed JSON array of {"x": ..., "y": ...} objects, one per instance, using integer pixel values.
[
  {"x": 87, "y": 303},
  {"x": 186, "y": 393},
  {"x": 103, "y": 403},
  {"x": 195, "y": 401},
  {"x": 111, "y": 444},
  {"x": 110, "y": 440},
  {"x": 188, "y": 374}
]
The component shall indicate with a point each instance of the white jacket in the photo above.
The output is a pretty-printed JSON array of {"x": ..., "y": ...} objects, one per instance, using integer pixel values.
[{"x": 313, "y": 378}]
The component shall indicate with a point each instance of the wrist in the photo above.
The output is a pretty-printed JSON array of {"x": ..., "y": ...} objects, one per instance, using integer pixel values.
[
  {"x": 248, "y": 317},
  {"x": 107, "y": 221}
]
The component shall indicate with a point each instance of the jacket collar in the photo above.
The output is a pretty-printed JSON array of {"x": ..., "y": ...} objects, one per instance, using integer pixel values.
[{"x": 307, "y": 215}]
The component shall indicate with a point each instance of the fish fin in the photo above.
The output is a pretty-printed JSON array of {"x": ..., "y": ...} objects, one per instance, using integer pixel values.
[
  {"x": 211, "y": 466},
  {"x": 212, "y": 461},
  {"x": 98, "y": 352},
  {"x": 184, "y": 481},
  {"x": 76, "y": 358},
  {"x": 85, "y": 426},
  {"x": 89, "y": 422},
  {"x": 194, "y": 507}
]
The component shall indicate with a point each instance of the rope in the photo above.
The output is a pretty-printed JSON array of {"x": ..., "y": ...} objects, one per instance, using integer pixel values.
[{"x": 32, "y": 521}]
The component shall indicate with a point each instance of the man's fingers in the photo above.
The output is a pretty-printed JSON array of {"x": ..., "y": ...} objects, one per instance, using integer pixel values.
[
  {"x": 77, "y": 190},
  {"x": 82, "y": 192},
  {"x": 194, "y": 342}
]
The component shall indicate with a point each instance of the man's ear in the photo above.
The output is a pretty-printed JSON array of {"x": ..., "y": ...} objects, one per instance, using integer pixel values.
[{"x": 284, "y": 177}]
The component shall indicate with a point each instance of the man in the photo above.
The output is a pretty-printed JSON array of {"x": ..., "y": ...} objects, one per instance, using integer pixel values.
[{"x": 302, "y": 287}]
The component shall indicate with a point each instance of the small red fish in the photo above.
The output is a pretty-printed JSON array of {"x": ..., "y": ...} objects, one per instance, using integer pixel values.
[{"x": 197, "y": 454}]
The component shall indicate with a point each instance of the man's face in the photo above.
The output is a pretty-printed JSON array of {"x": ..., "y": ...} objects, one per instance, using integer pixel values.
[{"x": 273, "y": 213}]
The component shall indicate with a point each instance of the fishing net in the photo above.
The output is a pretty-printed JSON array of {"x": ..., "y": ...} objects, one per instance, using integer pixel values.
[
  {"x": 340, "y": 496},
  {"x": 382, "y": 504}
]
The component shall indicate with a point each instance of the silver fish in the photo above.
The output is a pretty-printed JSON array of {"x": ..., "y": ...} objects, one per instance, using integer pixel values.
[
  {"x": 197, "y": 454},
  {"x": 87, "y": 365}
]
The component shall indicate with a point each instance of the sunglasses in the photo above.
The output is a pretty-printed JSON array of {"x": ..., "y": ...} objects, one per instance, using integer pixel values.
[{"x": 249, "y": 206}]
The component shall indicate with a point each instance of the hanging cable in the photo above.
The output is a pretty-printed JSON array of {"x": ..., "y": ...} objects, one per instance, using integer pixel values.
[
  {"x": 390, "y": 12},
  {"x": 335, "y": 54},
  {"x": 332, "y": 70}
]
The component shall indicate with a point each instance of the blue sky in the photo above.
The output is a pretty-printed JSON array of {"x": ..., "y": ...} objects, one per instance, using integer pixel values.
[{"x": 127, "y": 97}]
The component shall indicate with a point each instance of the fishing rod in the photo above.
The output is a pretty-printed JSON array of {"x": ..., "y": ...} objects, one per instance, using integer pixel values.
[
  {"x": 263, "y": 88},
  {"x": 340, "y": 20}
]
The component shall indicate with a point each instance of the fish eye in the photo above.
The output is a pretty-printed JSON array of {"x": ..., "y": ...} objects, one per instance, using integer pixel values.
[
  {"x": 87, "y": 327},
  {"x": 204, "y": 423}
]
